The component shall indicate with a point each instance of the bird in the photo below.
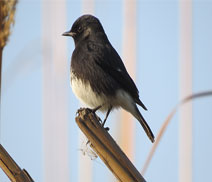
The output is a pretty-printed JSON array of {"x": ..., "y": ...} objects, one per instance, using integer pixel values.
[{"x": 98, "y": 76}]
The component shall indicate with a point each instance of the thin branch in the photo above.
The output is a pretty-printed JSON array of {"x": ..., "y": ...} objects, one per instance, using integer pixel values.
[
  {"x": 106, "y": 148},
  {"x": 166, "y": 123}
]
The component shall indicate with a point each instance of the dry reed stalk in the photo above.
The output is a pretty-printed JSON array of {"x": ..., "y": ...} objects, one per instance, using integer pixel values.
[
  {"x": 8, "y": 165},
  {"x": 11, "y": 169},
  {"x": 7, "y": 13},
  {"x": 166, "y": 123},
  {"x": 106, "y": 148}
]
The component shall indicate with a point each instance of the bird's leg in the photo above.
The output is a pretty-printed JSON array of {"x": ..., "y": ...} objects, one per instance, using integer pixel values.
[
  {"x": 95, "y": 109},
  {"x": 107, "y": 114}
]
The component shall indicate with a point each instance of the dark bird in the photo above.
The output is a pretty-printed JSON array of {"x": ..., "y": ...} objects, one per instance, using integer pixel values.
[{"x": 98, "y": 75}]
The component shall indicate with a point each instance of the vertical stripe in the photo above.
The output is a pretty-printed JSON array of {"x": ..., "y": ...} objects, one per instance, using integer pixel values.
[
  {"x": 55, "y": 87},
  {"x": 129, "y": 58},
  {"x": 185, "y": 117},
  {"x": 88, "y": 6}
]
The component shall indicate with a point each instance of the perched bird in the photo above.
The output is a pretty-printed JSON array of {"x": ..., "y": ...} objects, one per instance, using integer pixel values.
[{"x": 98, "y": 75}]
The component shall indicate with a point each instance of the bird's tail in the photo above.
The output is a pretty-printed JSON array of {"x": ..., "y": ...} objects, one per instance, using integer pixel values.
[{"x": 144, "y": 124}]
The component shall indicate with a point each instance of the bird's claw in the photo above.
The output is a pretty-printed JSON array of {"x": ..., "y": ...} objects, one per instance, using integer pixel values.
[
  {"x": 79, "y": 110},
  {"x": 107, "y": 128}
]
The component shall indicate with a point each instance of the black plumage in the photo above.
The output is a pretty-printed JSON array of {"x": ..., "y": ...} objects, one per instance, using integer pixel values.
[{"x": 98, "y": 75}]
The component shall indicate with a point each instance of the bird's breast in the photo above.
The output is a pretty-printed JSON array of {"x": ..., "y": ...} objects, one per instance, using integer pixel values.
[{"x": 83, "y": 91}]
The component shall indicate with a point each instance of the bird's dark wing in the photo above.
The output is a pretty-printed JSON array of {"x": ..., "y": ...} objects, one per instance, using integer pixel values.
[{"x": 108, "y": 59}]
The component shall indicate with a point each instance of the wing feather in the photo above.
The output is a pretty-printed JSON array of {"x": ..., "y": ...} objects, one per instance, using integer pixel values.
[{"x": 108, "y": 59}]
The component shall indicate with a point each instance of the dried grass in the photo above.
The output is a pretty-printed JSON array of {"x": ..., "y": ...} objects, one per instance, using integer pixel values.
[
  {"x": 7, "y": 13},
  {"x": 166, "y": 123}
]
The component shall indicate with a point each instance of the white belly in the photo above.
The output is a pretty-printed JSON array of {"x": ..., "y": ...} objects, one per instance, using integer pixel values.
[{"x": 86, "y": 95}]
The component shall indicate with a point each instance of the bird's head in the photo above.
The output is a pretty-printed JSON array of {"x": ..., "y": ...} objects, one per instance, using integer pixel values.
[{"x": 84, "y": 27}]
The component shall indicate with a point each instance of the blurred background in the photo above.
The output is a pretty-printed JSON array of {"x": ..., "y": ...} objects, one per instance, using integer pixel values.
[{"x": 166, "y": 46}]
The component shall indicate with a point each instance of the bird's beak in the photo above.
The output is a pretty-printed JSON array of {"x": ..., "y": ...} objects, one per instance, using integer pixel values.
[{"x": 72, "y": 34}]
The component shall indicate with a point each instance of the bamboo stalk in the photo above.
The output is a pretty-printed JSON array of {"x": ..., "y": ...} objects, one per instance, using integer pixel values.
[{"x": 106, "y": 148}]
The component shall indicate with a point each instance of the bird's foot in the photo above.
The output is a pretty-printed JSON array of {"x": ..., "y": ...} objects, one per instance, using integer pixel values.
[
  {"x": 103, "y": 124},
  {"x": 79, "y": 110},
  {"x": 94, "y": 112},
  {"x": 107, "y": 128},
  {"x": 91, "y": 110}
]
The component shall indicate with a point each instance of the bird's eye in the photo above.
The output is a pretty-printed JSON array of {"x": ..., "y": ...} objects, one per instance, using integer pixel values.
[{"x": 79, "y": 29}]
